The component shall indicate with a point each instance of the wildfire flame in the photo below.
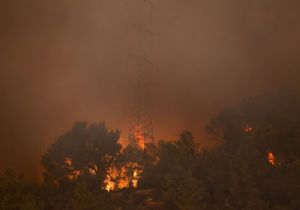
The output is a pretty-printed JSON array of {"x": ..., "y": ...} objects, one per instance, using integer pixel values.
[
  {"x": 139, "y": 137},
  {"x": 111, "y": 175},
  {"x": 74, "y": 173},
  {"x": 92, "y": 171},
  {"x": 68, "y": 161},
  {"x": 116, "y": 178},
  {"x": 271, "y": 158},
  {"x": 120, "y": 178},
  {"x": 135, "y": 179},
  {"x": 248, "y": 129}
]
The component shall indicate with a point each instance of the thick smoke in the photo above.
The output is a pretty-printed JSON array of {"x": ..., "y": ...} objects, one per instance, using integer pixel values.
[{"x": 63, "y": 61}]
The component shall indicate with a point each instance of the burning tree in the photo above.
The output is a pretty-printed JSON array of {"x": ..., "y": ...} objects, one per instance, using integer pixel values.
[
  {"x": 255, "y": 165},
  {"x": 83, "y": 154},
  {"x": 87, "y": 163}
]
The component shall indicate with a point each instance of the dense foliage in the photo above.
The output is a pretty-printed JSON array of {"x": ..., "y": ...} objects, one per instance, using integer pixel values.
[{"x": 255, "y": 165}]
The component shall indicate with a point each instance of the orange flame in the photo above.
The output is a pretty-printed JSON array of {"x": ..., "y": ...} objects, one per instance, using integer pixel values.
[
  {"x": 118, "y": 179},
  {"x": 248, "y": 129},
  {"x": 68, "y": 161},
  {"x": 139, "y": 137},
  {"x": 135, "y": 179},
  {"x": 110, "y": 177},
  {"x": 271, "y": 158},
  {"x": 74, "y": 173}
]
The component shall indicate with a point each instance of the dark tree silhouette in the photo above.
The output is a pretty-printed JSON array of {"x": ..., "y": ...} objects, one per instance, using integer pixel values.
[
  {"x": 254, "y": 165},
  {"x": 82, "y": 155},
  {"x": 18, "y": 194}
]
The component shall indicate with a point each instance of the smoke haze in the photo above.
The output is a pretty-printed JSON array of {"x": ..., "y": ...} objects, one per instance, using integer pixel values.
[{"x": 62, "y": 61}]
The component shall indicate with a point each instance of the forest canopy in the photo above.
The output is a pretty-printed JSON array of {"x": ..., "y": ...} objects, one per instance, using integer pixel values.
[{"x": 255, "y": 164}]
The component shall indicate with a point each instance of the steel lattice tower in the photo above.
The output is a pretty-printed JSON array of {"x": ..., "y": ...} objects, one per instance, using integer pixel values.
[{"x": 141, "y": 128}]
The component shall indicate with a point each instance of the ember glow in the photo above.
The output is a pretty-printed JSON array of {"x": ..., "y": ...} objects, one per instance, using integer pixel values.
[
  {"x": 117, "y": 178},
  {"x": 271, "y": 158},
  {"x": 135, "y": 179},
  {"x": 139, "y": 137},
  {"x": 248, "y": 129},
  {"x": 121, "y": 178},
  {"x": 68, "y": 162},
  {"x": 111, "y": 176},
  {"x": 74, "y": 173}
]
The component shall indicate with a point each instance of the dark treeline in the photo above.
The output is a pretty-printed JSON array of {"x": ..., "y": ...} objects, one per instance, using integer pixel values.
[{"x": 255, "y": 165}]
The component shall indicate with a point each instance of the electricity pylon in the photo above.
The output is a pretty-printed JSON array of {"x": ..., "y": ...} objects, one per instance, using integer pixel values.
[{"x": 141, "y": 128}]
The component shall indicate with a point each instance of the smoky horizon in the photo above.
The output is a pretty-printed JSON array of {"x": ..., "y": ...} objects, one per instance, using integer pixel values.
[{"x": 65, "y": 61}]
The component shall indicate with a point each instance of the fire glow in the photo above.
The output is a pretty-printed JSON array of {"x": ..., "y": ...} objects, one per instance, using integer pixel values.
[
  {"x": 139, "y": 137},
  {"x": 248, "y": 129},
  {"x": 271, "y": 158},
  {"x": 125, "y": 179},
  {"x": 128, "y": 175},
  {"x": 118, "y": 179},
  {"x": 74, "y": 173}
]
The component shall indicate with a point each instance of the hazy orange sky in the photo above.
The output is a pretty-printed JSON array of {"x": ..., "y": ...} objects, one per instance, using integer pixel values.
[{"x": 66, "y": 60}]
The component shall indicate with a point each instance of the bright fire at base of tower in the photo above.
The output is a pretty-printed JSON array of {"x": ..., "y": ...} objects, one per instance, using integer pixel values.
[{"x": 124, "y": 177}]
